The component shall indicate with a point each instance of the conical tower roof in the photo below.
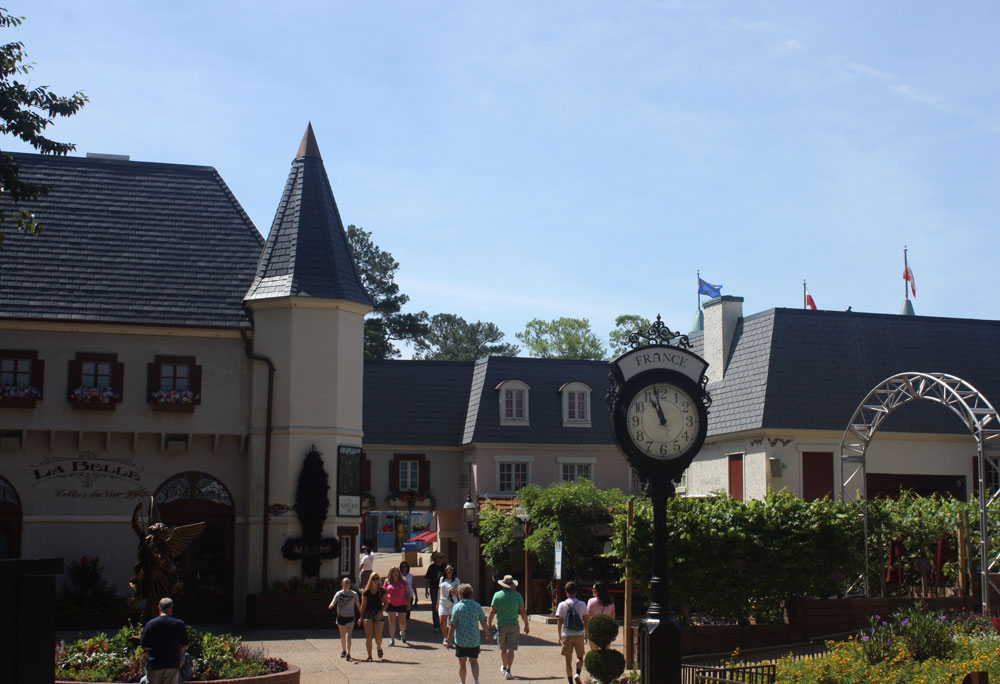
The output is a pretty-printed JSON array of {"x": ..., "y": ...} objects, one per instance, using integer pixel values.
[{"x": 307, "y": 254}]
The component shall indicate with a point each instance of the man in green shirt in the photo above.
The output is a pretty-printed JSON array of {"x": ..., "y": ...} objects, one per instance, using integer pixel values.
[{"x": 506, "y": 605}]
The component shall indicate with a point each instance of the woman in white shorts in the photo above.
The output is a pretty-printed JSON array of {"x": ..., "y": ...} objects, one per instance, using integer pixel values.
[{"x": 447, "y": 597}]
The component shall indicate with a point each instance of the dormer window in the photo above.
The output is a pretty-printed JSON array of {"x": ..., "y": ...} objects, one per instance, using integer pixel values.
[
  {"x": 513, "y": 402},
  {"x": 576, "y": 404}
]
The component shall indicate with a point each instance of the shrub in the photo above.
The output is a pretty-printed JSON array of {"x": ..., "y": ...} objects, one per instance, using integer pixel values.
[
  {"x": 925, "y": 634},
  {"x": 602, "y": 630},
  {"x": 605, "y": 664}
]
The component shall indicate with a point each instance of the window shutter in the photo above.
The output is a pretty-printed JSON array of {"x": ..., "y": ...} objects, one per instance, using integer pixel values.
[
  {"x": 118, "y": 379},
  {"x": 152, "y": 380},
  {"x": 424, "y": 475},
  {"x": 38, "y": 375},
  {"x": 196, "y": 383},
  {"x": 394, "y": 474},
  {"x": 74, "y": 376}
]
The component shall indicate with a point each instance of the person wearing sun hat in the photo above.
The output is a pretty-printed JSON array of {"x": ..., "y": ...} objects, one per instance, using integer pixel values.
[{"x": 506, "y": 605}]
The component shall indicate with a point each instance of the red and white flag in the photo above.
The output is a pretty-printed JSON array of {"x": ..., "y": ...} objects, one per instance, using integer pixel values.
[
  {"x": 810, "y": 302},
  {"x": 908, "y": 276}
]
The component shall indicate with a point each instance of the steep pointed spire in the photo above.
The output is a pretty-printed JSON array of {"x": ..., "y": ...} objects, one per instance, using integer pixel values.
[
  {"x": 308, "y": 147},
  {"x": 307, "y": 254}
]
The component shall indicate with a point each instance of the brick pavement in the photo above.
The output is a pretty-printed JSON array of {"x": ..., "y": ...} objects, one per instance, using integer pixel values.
[{"x": 423, "y": 660}]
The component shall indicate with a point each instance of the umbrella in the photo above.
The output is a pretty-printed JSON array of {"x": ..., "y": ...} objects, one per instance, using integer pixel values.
[{"x": 428, "y": 536}]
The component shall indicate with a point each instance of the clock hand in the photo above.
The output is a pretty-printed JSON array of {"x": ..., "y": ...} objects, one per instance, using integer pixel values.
[{"x": 659, "y": 411}]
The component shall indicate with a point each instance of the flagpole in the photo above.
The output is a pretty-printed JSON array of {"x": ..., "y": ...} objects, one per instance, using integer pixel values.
[
  {"x": 906, "y": 268},
  {"x": 698, "y": 290},
  {"x": 805, "y": 305}
]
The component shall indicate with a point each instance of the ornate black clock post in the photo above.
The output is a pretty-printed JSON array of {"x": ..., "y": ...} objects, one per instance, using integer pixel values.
[{"x": 659, "y": 419}]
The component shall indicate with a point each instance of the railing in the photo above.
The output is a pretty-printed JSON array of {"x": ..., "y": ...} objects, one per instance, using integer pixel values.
[
  {"x": 741, "y": 666},
  {"x": 744, "y": 674}
]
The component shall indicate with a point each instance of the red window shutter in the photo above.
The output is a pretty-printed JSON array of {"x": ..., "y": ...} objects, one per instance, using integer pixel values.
[
  {"x": 74, "y": 376},
  {"x": 152, "y": 380},
  {"x": 366, "y": 476},
  {"x": 38, "y": 375},
  {"x": 424, "y": 475},
  {"x": 118, "y": 379},
  {"x": 196, "y": 383}
]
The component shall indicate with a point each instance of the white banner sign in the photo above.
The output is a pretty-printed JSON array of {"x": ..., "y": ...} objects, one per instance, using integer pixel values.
[{"x": 558, "y": 560}]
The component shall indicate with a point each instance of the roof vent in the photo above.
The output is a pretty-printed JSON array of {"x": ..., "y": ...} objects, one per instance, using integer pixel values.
[{"x": 101, "y": 155}]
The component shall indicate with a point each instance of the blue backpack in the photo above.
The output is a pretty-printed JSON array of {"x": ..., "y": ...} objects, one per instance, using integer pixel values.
[{"x": 574, "y": 623}]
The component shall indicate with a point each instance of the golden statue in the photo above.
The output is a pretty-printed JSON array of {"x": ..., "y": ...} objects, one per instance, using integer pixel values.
[{"x": 155, "y": 576}]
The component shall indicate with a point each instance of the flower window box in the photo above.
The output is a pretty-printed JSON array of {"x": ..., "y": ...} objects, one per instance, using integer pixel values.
[
  {"x": 21, "y": 378},
  {"x": 95, "y": 381},
  {"x": 173, "y": 384}
]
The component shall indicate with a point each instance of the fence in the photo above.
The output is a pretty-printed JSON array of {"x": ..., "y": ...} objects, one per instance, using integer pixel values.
[{"x": 745, "y": 674}]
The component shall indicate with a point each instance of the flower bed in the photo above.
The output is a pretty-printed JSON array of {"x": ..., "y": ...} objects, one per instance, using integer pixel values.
[
  {"x": 120, "y": 659},
  {"x": 913, "y": 645}
]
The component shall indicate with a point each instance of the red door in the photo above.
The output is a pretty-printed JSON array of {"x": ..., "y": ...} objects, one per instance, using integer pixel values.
[
  {"x": 736, "y": 476},
  {"x": 817, "y": 475}
]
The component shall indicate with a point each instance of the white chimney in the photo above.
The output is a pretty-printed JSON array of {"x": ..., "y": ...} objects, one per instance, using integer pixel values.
[{"x": 722, "y": 314}]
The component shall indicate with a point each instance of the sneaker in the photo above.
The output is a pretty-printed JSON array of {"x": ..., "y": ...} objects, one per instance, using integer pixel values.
[
  {"x": 343, "y": 654},
  {"x": 392, "y": 642},
  {"x": 503, "y": 668},
  {"x": 402, "y": 637},
  {"x": 507, "y": 674}
]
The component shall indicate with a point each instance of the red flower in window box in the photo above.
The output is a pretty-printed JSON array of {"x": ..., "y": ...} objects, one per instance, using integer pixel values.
[{"x": 94, "y": 395}]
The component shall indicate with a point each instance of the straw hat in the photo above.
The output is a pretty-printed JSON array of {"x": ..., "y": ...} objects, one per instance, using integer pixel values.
[{"x": 508, "y": 582}]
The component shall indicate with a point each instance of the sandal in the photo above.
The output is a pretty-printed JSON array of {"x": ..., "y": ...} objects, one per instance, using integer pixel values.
[
  {"x": 380, "y": 655},
  {"x": 369, "y": 658}
]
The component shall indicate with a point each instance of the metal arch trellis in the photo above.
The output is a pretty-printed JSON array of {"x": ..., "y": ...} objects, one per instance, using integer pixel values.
[{"x": 980, "y": 417}]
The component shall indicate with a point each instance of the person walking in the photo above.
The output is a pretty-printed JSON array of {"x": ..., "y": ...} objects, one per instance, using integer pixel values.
[
  {"x": 404, "y": 570},
  {"x": 600, "y": 603},
  {"x": 345, "y": 602},
  {"x": 373, "y": 602},
  {"x": 165, "y": 640},
  {"x": 463, "y": 633},
  {"x": 433, "y": 577},
  {"x": 571, "y": 628},
  {"x": 506, "y": 606},
  {"x": 366, "y": 565},
  {"x": 398, "y": 603},
  {"x": 447, "y": 598}
]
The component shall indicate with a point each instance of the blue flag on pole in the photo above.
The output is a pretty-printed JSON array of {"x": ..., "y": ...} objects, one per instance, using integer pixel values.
[{"x": 708, "y": 289}]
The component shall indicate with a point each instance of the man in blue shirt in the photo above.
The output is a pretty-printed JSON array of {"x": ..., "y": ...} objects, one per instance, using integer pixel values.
[
  {"x": 165, "y": 640},
  {"x": 466, "y": 618}
]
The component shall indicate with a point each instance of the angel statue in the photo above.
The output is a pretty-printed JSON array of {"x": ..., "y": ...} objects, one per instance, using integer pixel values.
[{"x": 155, "y": 576}]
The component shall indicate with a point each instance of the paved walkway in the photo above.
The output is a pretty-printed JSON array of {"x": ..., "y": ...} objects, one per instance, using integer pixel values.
[{"x": 424, "y": 660}]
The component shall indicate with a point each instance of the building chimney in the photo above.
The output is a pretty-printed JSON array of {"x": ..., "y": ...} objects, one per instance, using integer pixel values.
[{"x": 722, "y": 314}]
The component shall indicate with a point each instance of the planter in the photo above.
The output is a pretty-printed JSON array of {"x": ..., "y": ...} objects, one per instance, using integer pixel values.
[
  {"x": 93, "y": 405},
  {"x": 297, "y": 611},
  {"x": 173, "y": 408},
  {"x": 417, "y": 504},
  {"x": 289, "y": 676}
]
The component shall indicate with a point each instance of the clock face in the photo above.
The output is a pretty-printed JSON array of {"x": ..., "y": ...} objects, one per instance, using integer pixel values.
[{"x": 662, "y": 420}]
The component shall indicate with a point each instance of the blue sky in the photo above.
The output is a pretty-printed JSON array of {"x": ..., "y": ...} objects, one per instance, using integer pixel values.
[{"x": 543, "y": 159}]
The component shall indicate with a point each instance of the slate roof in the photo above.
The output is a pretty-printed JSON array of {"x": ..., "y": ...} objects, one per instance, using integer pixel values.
[
  {"x": 307, "y": 254},
  {"x": 415, "y": 402},
  {"x": 798, "y": 369},
  {"x": 450, "y": 403},
  {"x": 129, "y": 242}
]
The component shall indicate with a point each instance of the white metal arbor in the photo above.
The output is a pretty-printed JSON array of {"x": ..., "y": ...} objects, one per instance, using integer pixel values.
[{"x": 980, "y": 417}]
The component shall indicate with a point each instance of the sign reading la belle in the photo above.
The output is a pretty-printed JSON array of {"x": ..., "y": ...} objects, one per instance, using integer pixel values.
[{"x": 87, "y": 467}]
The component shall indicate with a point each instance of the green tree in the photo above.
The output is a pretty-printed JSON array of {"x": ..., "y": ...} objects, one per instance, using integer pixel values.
[
  {"x": 452, "y": 338},
  {"x": 25, "y": 113},
  {"x": 562, "y": 338},
  {"x": 386, "y": 323},
  {"x": 624, "y": 326}
]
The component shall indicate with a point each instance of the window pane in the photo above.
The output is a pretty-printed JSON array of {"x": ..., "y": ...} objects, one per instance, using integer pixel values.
[
  {"x": 7, "y": 365},
  {"x": 508, "y": 404},
  {"x": 583, "y": 471},
  {"x": 567, "y": 472},
  {"x": 519, "y": 404}
]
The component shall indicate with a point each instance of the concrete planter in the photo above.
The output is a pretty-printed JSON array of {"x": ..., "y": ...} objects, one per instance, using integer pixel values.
[{"x": 289, "y": 676}]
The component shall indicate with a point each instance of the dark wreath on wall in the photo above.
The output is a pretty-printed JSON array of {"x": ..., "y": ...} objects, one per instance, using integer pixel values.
[{"x": 312, "y": 503}]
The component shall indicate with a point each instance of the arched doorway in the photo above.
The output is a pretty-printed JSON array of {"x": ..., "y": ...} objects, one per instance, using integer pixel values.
[
  {"x": 979, "y": 417},
  {"x": 206, "y": 567},
  {"x": 10, "y": 521}
]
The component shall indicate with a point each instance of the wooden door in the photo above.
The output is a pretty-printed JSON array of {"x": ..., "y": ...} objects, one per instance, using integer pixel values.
[
  {"x": 206, "y": 567},
  {"x": 736, "y": 476},
  {"x": 817, "y": 475}
]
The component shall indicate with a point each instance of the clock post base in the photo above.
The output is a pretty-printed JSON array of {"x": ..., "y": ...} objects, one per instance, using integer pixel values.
[{"x": 661, "y": 651}]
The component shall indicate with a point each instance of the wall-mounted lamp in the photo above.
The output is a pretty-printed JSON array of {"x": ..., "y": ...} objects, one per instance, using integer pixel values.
[{"x": 471, "y": 510}]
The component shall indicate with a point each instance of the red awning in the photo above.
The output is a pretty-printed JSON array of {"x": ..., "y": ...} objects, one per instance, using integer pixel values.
[{"x": 429, "y": 536}]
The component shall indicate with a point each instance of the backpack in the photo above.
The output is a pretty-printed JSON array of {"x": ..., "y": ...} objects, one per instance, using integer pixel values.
[{"x": 574, "y": 623}]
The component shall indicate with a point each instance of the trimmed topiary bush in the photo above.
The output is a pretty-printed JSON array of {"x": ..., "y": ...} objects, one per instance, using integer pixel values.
[
  {"x": 602, "y": 630},
  {"x": 605, "y": 664}
]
